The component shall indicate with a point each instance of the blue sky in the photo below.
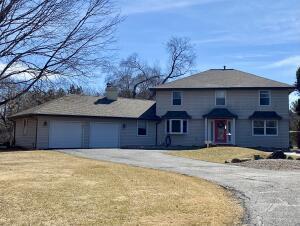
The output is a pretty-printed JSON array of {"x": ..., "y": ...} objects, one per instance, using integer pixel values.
[{"x": 257, "y": 36}]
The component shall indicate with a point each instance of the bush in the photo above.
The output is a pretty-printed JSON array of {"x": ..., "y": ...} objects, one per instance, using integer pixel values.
[
  {"x": 257, "y": 157},
  {"x": 235, "y": 160},
  {"x": 277, "y": 155}
]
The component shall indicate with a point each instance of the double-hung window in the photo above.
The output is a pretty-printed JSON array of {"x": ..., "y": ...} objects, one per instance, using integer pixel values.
[
  {"x": 264, "y": 97},
  {"x": 177, "y": 98},
  {"x": 142, "y": 127},
  {"x": 220, "y": 97},
  {"x": 265, "y": 127},
  {"x": 177, "y": 126}
]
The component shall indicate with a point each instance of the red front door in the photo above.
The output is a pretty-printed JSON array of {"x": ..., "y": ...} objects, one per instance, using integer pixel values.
[{"x": 220, "y": 131}]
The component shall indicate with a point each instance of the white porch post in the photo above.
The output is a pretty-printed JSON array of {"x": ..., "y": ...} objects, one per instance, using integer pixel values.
[{"x": 233, "y": 131}]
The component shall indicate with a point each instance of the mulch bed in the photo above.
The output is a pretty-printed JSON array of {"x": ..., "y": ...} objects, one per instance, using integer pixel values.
[{"x": 271, "y": 164}]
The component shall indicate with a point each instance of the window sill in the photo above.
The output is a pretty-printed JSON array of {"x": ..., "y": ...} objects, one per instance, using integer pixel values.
[
  {"x": 177, "y": 133},
  {"x": 265, "y": 135}
]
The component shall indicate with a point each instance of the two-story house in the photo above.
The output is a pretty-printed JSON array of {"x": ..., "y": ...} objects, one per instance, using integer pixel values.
[
  {"x": 224, "y": 106},
  {"x": 218, "y": 106}
]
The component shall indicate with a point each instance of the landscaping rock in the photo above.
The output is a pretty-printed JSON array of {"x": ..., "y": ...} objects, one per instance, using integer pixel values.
[
  {"x": 235, "y": 160},
  {"x": 271, "y": 164},
  {"x": 256, "y": 157},
  {"x": 277, "y": 155}
]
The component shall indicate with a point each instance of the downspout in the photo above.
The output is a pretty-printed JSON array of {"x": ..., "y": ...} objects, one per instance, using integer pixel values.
[
  {"x": 36, "y": 132},
  {"x": 156, "y": 128},
  {"x": 14, "y": 134},
  {"x": 156, "y": 124}
]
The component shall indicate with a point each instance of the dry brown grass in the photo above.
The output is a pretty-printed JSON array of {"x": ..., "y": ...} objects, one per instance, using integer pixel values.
[
  {"x": 220, "y": 154},
  {"x": 51, "y": 188}
]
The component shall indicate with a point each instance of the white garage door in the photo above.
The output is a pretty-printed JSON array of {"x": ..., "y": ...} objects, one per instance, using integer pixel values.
[
  {"x": 104, "y": 135},
  {"x": 65, "y": 134}
]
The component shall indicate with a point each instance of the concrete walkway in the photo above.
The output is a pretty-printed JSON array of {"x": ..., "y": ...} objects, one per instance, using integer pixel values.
[
  {"x": 292, "y": 154},
  {"x": 270, "y": 197}
]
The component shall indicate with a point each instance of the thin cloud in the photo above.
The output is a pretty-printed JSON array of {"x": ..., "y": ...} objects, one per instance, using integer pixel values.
[
  {"x": 25, "y": 76},
  {"x": 146, "y": 6},
  {"x": 292, "y": 61}
]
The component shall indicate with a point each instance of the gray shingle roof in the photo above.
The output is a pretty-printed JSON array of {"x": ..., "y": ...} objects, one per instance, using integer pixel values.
[
  {"x": 265, "y": 115},
  {"x": 176, "y": 115},
  {"x": 91, "y": 106},
  {"x": 220, "y": 113},
  {"x": 219, "y": 78}
]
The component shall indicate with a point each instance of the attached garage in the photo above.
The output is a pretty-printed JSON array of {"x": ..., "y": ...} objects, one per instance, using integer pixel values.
[
  {"x": 79, "y": 121},
  {"x": 65, "y": 134},
  {"x": 104, "y": 135}
]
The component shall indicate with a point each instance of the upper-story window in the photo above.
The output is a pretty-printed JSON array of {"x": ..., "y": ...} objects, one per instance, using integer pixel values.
[
  {"x": 264, "y": 97},
  {"x": 220, "y": 97},
  {"x": 177, "y": 98}
]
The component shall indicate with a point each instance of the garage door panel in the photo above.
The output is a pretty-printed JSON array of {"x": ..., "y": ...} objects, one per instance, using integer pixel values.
[
  {"x": 65, "y": 134},
  {"x": 104, "y": 135}
]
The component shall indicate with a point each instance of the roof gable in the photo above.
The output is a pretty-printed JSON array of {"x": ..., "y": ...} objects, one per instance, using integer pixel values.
[{"x": 223, "y": 79}]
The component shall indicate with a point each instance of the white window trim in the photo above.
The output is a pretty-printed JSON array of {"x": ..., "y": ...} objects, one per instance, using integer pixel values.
[
  {"x": 265, "y": 128},
  {"x": 181, "y": 95},
  {"x": 137, "y": 128},
  {"x": 181, "y": 126},
  {"x": 225, "y": 97},
  {"x": 270, "y": 98}
]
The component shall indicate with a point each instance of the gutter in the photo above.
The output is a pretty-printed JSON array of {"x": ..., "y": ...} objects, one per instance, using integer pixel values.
[
  {"x": 290, "y": 88},
  {"x": 84, "y": 116}
]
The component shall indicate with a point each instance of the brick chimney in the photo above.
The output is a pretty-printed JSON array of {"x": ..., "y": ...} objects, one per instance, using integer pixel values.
[{"x": 111, "y": 92}]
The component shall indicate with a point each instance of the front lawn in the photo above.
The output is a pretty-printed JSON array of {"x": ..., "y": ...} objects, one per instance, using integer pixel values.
[
  {"x": 51, "y": 188},
  {"x": 219, "y": 154}
]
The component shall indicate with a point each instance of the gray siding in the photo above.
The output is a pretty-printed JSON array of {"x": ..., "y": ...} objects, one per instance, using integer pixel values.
[
  {"x": 245, "y": 138},
  {"x": 194, "y": 137},
  {"x": 25, "y": 140},
  {"x": 240, "y": 102},
  {"x": 128, "y": 133}
]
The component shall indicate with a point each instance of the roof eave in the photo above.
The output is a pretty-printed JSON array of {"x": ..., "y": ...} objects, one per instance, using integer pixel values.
[
  {"x": 83, "y": 116},
  {"x": 291, "y": 88}
]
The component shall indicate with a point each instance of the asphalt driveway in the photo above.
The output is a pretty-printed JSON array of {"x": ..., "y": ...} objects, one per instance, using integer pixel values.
[{"x": 270, "y": 197}]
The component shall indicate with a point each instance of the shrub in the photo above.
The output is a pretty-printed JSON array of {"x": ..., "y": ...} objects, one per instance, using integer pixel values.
[
  {"x": 235, "y": 160},
  {"x": 277, "y": 155},
  {"x": 257, "y": 157}
]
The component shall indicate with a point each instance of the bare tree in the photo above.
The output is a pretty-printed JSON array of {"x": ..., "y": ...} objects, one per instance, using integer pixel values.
[
  {"x": 32, "y": 98},
  {"x": 42, "y": 41},
  {"x": 134, "y": 77},
  {"x": 181, "y": 58}
]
